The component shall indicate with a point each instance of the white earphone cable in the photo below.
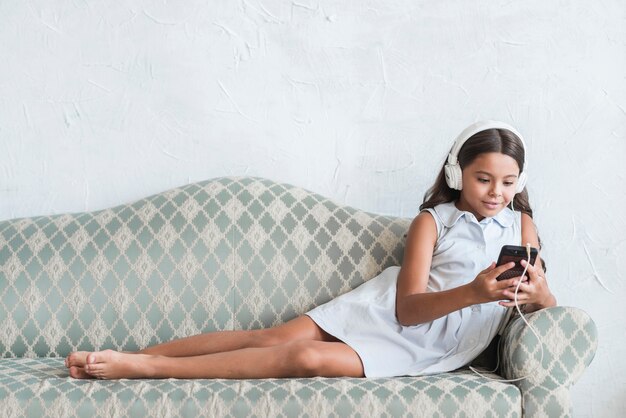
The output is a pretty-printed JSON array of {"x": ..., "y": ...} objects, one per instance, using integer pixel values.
[{"x": 519, "y": 311}]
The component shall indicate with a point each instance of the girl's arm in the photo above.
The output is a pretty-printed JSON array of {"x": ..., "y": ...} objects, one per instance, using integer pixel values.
[
  {"x": 414, "y": 305},
  {"x": 535, "y": 293}
]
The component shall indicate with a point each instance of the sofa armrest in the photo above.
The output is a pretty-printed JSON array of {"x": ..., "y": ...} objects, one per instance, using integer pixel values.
[{"x": 569, "y": 338}]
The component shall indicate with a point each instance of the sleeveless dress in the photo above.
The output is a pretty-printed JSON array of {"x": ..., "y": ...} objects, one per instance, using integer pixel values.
[{"x": 364, "y": 318}]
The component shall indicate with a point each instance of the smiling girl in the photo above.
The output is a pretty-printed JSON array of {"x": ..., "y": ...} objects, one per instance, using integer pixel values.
[{"x": 435, "y": 313}]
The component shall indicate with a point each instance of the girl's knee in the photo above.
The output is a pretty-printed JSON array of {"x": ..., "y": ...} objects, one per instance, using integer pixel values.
[{"x": 304, "y": 358}]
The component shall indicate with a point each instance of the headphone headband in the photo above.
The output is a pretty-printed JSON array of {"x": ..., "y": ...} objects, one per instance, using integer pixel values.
[{"x": 453, "y": 171}]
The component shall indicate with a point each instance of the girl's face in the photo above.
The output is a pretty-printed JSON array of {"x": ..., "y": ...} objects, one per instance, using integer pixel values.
[{"x": 488, "y": 184}]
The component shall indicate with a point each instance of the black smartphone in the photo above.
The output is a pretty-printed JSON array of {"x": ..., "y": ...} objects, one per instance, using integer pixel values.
[{"x": 515, "y": 253}]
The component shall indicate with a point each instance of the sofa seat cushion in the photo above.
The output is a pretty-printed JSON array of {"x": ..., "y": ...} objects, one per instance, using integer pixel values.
[{"x": 40, "y": 387}]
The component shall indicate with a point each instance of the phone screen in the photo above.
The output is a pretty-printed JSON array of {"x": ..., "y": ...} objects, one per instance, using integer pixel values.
[{"x": 514, "y": 253}]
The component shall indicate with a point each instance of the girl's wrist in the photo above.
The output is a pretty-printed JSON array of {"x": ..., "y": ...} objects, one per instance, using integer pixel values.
[
  {"x": 472, "y": 295},
  {"x": 548, "y": 302}
]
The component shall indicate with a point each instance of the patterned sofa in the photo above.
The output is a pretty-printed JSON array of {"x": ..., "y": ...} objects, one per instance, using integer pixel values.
[{"x": 233, "y": 253}]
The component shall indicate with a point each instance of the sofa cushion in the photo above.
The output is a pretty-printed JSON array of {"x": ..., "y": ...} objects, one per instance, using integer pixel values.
[{"x": 40, "y": 387}]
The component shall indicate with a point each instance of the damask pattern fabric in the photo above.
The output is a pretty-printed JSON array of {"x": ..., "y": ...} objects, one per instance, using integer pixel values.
[
  {"x": 228, "y": 253},
  {"x": 40, "y": 387},
  {"x": 569, "y": 342},
  {"x": 224, "y": 254}
]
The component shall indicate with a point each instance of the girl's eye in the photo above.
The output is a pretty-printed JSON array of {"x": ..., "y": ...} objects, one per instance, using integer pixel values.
[{"x": 506, "y": 183}]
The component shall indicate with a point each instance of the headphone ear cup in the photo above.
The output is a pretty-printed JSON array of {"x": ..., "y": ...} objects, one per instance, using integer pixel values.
[
  {"x": 454, "y": 176},
  {"x": 521, "y": 182}
]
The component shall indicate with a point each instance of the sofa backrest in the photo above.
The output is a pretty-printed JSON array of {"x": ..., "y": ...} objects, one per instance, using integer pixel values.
[{"x": 227, "y": 253}]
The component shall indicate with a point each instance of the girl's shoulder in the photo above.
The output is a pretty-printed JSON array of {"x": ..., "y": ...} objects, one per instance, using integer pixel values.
[
  {"x": 445, "y": 214},
  {"x": 529, "y": 229},
  {"x": 442, "y": 216},
  {"x": 423, "y": 229}
]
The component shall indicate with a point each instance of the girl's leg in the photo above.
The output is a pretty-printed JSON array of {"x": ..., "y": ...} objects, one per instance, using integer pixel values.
[
  {"x": 301, "y": 358},
  {"x": 301, "y": 328}
]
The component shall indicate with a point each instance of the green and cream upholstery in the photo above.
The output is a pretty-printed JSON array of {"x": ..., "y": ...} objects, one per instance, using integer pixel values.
[{"x": 223, "y": 254}]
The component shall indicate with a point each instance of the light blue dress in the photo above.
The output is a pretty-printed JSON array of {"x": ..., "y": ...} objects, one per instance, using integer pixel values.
[{"x": 364, "y": 318}]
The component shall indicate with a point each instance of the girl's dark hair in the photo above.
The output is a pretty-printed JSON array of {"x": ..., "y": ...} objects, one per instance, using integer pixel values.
[{"x": 489, "y": 140}]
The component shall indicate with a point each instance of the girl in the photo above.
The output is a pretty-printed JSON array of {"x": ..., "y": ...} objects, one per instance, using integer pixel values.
[{"x": 435, "y": 313}]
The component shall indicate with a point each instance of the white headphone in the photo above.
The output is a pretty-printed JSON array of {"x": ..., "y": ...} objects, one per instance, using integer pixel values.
[{"x": 454, "y": 176}]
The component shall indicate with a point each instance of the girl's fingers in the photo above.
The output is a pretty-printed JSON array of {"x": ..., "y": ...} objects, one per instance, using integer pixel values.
[
  {"x": 501, "y": 269},
  {"x": 510, "y": 295},
  {"x": 524, "y": 287},
  {"x": 510, "y": 299},
  {"x": 531, "y": 268},
  {"x": 537, "y": 272},
  {"x": 511, "y": 283}
]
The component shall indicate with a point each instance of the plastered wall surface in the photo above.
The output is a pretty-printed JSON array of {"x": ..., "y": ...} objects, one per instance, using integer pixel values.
[{"x": 104, "y": 102}]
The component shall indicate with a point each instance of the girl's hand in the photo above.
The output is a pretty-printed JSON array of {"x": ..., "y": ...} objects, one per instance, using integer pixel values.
[
  {"x": 486, "y": 288},
  {"x": 534, "y": 292}
]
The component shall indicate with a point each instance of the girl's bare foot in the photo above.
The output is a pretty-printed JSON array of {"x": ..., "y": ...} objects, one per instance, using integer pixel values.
[
  {"x": 75, "y": 362},
  {"x": 109, "y": 364},
  {"x": 79, "y": 373}
]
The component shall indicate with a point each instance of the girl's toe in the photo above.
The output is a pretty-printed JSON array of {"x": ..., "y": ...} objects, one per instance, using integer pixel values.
[
  {"x": 79, "y": 373},
  {"x": 93, "y": 368}
]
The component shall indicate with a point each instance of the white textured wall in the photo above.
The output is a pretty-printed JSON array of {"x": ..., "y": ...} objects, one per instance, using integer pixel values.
[{"x": 104, "y": 102}]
